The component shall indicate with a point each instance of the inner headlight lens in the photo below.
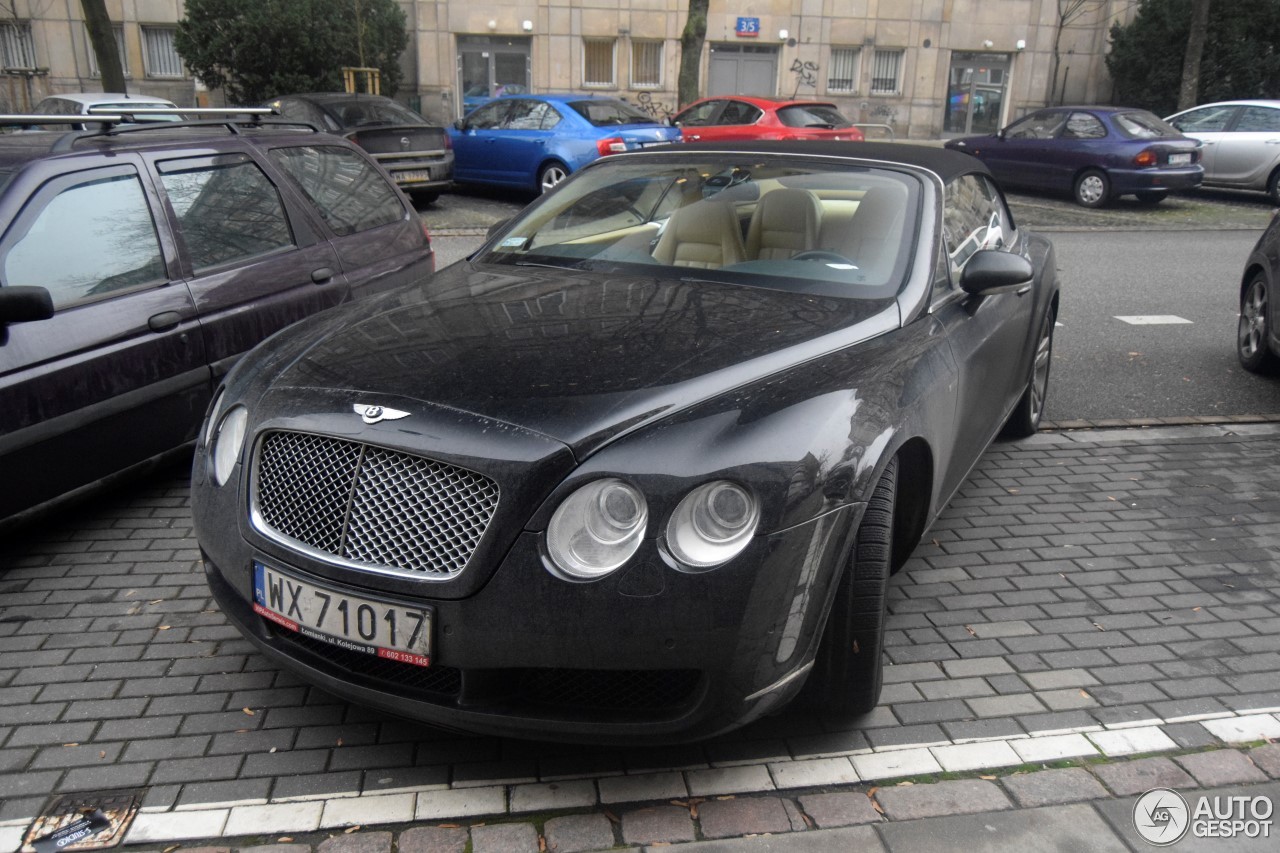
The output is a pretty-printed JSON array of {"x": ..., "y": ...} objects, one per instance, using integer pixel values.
[
  {"x": 227, "y": 443},
  {"x": 597, "y": 529},
  {"x": 712, "y": 524}
]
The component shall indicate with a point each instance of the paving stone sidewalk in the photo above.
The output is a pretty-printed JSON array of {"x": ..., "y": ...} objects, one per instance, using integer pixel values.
[{"x": 1086, "y": 595}]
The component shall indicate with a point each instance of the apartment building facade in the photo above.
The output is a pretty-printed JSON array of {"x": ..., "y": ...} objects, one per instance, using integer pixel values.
[{"x": 918, "y": 68}]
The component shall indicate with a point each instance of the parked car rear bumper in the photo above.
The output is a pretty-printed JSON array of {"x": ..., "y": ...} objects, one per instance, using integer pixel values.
[{"x": 1148, "y": 180}]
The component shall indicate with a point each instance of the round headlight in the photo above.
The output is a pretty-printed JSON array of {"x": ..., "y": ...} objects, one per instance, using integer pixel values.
[
  {"x": 597, "y": 529},
  {"x": 211, "y": 419},
  {"x": 227, "y": 443},
  {"x": 712, "y": 524}
]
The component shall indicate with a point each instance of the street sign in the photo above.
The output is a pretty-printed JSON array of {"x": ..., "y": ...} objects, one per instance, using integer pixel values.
[{"x": 747, "y": 28}]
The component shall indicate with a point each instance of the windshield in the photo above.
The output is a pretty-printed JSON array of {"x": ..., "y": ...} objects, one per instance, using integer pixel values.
[
  {"x": 833, "y": 230},
  {"x": 1141, "y": 124},
  {"x": 603, "y": 112},
  {"x": 812, "y": 115}
]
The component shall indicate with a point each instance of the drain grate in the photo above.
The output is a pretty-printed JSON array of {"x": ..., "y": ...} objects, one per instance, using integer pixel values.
[{"x": 118, "y": 807}]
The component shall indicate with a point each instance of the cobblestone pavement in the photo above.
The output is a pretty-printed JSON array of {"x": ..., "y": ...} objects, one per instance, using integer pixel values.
[{"x": 1087, "y": 596}]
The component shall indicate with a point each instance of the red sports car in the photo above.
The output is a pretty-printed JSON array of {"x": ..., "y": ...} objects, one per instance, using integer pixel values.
[{"x": 741, "y": 117}]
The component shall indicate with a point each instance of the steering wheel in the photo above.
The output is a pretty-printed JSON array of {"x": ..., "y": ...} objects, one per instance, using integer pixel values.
[{"x": 823, "y": 255}]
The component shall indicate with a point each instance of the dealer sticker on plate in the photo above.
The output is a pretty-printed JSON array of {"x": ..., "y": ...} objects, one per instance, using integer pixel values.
[{"x": 390, "y": 631}]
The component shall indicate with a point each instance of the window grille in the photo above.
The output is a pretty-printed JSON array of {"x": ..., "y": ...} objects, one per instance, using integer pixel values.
[
  {"x": 646, "y": 63},
  {"x": 159, "y": 56},
  {"x": 16, "y": 47},
  {"x": 886, "y": 68},
  {"x": 598, "y": 62},
  {"x": 842, "y": 74}
]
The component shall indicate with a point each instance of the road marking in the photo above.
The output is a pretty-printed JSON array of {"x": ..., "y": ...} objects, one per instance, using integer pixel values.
[{"x": 1152, "y": 320}]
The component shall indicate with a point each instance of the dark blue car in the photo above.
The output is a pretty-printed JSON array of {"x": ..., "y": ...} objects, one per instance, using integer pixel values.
[
  {"x": 1095, "y": 153},
  {"x": 536, "y": 141}
]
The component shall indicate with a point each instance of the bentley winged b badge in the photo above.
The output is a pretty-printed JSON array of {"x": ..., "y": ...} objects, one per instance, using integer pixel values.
[{"x": 372, "y": 414}]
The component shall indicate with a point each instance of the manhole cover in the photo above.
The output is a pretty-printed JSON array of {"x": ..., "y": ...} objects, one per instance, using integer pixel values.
[{"x": 118, "y": 807}]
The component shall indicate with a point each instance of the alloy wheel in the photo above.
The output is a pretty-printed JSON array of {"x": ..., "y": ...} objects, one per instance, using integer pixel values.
[
  {"x": 551, "y": 175},
  {"x": 1253, "y": 320}
]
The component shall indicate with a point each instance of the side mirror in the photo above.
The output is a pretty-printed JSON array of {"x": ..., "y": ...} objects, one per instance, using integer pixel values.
[
  {"x": 1000, "y": 135},
  {"x": 992, "y": 271},
  {"x": 24, "y": 304},
  {"x": 459, "y": 124},
  {"x": 496, "y": 227}
]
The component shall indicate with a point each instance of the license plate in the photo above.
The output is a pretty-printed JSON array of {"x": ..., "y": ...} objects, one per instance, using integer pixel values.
[
  {"x": 1179, "y": 159},
  {"x": 390, "y": 631},
  {"x": 414, "y": 175}
]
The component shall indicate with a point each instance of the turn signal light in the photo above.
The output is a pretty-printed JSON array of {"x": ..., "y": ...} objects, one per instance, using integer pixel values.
[
  {"x": 1146, "y": 159},
  {"x": 612, "y": 145}
]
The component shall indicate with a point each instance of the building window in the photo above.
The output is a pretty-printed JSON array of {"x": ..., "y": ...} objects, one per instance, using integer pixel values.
[
  {"x": 16, "y": 48},
  {"x": 885, "y": 72},
  {"x": 598, "y": 62},
  {"x": 159, "y": 56},
  {"x": 842, "y": 74},
  {"x": 646, "y": 64},
  {"x": 118, "y": 31}
]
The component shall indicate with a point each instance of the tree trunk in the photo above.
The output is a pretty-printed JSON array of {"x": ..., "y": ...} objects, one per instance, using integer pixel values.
[
  {"x": 1189, "y": 92},
  {"x": 103, "y": 39},
  {"x": 691, "y": 40}
]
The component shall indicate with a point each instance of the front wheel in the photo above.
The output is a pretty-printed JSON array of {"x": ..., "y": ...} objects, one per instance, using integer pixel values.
[
  {"x": 1025, "y": 419},
  {"x": 550, "y": 175},
  {"x": 1252, "y": 339},
  {"x": 1092, "y": 188},
  {"x": 848, "y": 669},
  {"x": 1273, "y": 187}
]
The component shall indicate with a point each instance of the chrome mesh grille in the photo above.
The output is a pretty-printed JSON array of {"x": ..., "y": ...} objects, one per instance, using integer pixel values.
[{"x": 369, "y": 505}]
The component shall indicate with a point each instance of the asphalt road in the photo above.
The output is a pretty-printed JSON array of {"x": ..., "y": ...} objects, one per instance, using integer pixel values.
[{"x": 1106, "y": 368}]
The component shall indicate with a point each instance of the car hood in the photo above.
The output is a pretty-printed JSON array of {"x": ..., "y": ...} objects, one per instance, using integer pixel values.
[{"x": 577, "y": 356}]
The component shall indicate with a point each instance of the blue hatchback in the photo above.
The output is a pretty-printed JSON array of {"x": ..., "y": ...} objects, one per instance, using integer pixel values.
[
  {"x": 535, "y": 141},
  {"x": 1095, "y": 153}
]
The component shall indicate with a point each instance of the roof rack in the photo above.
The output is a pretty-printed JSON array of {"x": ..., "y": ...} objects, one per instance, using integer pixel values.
[
  {"x": 257, "y": 113},
  {"x": 28, "y": 119}
]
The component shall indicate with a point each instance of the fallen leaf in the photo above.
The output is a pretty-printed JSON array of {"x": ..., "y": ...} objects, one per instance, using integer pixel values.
[
  {"x": 877, "y": 807},
  {"x": 1085, "y": 694},
  {"x": 724, "y": 797},
  {"x": 249, "y": 712},
  {"x": 273, "y": 749},
  {"x": 73, "y": 743},
  {"x": 693, "y": 812},
  {"x": 156, "y": 601},
  {"x": 1195, "y": 610},
  {"x": 856, "y": 648},
  {"x": 171, "y": 849},
  {"x": 163, "y": 628},
  {"x": 1111, "y": 498},
  {"x": 241, "y": 731},
  {"x": 102, "y": 753},
  {"x": 613, "y": 818},
  {"x": 808, "y": 821},
  {"x": 285, "y": 839},
  {"x": 350, "y": 829},
  {"x": 1012, "y": 491},
  {"x": 972, "y": 633},
  {"x": 542, "y": 844},
  {"x": 339, "y": 741},
  {"x": 681, "y": 803},
  {"x": 872, "y": 791},
  {"x": 988, "y": 778},
  {"x": 449, "y": 826},
  {"x": 905, "y": 783}
]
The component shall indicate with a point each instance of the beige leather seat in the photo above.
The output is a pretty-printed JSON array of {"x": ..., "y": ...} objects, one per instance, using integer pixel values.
[
  {"x": 705, "y": 234},
  {"x": 872, "y": 236},
  {"x": 786, "y": 222}
]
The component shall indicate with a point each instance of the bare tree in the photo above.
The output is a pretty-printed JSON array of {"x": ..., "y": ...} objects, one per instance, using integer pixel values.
[
  {"x": 103, "y": 39},
  {"x": 691, "y": 41},
  {"x": 1069, "y": 11},
  {"x": 1189, "y": 91}
]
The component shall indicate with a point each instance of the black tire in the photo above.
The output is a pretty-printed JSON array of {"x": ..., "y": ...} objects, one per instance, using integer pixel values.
[
  {"x": 1092, "y": 188},
  {"x": 1150, "y": 197},
  {"x": 848, "y": 670},
  {"x": 550, "y": 175},
  {"x": 1253, "y": 333},
  {"x": 1273, "y": 187},
  {"x": 1025, "y": 419}
]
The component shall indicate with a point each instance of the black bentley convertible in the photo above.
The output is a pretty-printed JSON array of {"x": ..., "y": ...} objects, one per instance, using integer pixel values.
[{"x": 641, "y": 467}]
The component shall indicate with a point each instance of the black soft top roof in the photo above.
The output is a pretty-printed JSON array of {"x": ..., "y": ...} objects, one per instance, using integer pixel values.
[{"x": 945, "y": 163}]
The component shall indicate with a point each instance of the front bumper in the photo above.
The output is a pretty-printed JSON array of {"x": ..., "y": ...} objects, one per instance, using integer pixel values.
[{"x": 649, "y": 654}]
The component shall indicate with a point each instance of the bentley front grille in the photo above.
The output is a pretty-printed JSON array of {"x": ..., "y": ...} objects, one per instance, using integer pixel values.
[{"x": 368, "y": 506}]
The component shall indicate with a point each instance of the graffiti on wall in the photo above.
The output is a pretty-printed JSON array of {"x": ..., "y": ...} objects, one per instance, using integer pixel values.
[
  {"x": 656, "y": 109},
  {"x": 806, "y": 75}
]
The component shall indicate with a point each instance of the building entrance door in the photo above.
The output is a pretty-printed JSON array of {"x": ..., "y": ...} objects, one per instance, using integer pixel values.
[
  {"x": 489, "y": 66},
  {"x": 743, "y": 69},
  {"x": 976, "y": 90}
]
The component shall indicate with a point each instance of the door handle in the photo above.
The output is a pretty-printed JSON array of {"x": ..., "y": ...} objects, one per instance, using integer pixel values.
[
  {"x": 164, "y": 321},
  {"x": 321, "y": 275},
  {"x": 1023, "y": 291},
  {"x": 695, "y": 136}
]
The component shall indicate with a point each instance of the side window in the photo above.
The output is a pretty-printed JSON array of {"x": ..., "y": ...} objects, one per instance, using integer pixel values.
[
  {"x": 699, "y": 115},
  {"x": 1204, "y": 120},
  {"x": 227, "y": 209},
  {"x": 91, "y": 238},
  {"x": 973, "y": 218},
  {"x": 1042, "y": 125},
  {"x": 350, "y": 194},
  {"x": 526, "y": 115},
  {"x": 1084, "y": 126},
  {"x": 738, "y": 112},
  {"x": 550, "y": 117},
  {"x": 1259, "y": 119},
  {"x": 488, "y": 116},
  {"x": 296, "y": 110}
]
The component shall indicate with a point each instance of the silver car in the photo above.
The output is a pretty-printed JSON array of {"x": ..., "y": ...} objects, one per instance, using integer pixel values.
[{"x": 1241, "y": 143}]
